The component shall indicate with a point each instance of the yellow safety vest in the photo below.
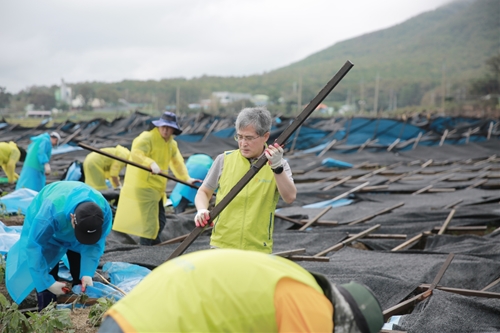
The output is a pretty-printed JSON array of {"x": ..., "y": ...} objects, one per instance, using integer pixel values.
[
  {"x": 248, "y": 221},
  {"x": 192, "y": 294}
]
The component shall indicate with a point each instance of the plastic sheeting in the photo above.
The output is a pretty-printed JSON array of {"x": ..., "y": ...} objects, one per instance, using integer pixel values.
[{"x": 18, "y": 201}]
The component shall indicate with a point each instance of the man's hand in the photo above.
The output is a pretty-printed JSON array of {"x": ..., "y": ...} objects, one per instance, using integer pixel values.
[
  {"x": 86, "y": 281},
  {"x": 202, "y": 217},
  {"x": 274, "y": 154},
  {"x": 58, "y": 288},
  {"x": 155, "y": 168},
  {"x": 47, "y": 168},
  {"x": 193, "y": 180}
]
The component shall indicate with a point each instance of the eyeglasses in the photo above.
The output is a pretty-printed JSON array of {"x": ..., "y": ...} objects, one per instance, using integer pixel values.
[{"x": 238, "y": 138}]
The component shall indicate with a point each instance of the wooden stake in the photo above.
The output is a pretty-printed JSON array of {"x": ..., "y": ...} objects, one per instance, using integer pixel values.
[{"x": 340, "y": 245}]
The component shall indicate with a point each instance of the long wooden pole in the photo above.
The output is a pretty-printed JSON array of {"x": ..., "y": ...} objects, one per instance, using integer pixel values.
[
  {"x": 137, "y": 165},
  {"x": 284, "y": 136}
]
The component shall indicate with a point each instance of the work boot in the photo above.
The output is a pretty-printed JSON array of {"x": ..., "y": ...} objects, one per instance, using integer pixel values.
[{"x": 44, "y": 298}]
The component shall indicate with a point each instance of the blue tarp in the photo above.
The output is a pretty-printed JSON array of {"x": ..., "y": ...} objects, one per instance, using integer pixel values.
[
  {"x": 18, "y": 201},
  {"x": 8, "y": 236}
]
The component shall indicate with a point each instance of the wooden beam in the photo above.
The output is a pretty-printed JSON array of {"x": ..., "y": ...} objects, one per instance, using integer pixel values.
[
  {"x": 453, "y": 204},
  {"x": 290, "y": 252},
  {"x": 308, "y": 258},
  {"x": 446, "y": 222},
  {"x": 420, "y": 297},
  {"x": 383, "y": 236},
  {"x": 391, "y": 147},
  {"x": 463, "y": 228},
  {"x": 465, "y": 292},
  {"x": 494, "y": 283},
  {"x": 422, "y": 190},
  {"x": 442, "y": 270},
  {"x": 340, "y": 182},
  {"x": 316, "y": 218},
  {"x": 383, "y": 211},
  {"x": 409, "y": 242},
  {"x": 476, "y": 184},
  {"x": 405, "y": 305},
  {"x": 327, "y": 148},
  {"x": 340, "y": 245}
]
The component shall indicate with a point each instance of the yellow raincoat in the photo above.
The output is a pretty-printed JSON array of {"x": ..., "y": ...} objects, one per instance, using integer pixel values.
[
  {"x": 137, "y": 211},
  {"x": 9, "y": 156},
  {"x": 97, "y": 167}
]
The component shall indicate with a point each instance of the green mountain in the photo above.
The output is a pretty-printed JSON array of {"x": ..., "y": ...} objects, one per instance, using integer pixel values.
[
  {"x": 418, "y": 61},
  {"x": 453, "y": 42}
]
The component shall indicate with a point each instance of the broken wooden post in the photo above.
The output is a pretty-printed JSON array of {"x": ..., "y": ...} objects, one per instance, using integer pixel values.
[
  {"x": 340, "y": 182},
  {"x": 290, "y": 252},
  {"x": 327, "y": 148},
  {"x": 417, "y": 140},
  {"x": 412, "y": 301},
  {"x": 383, "y": 211},
  {"x": 316, "y": 218},
  {"x": 393, "y": 144},
  {"x": 422, "y": 190},
  {"x": 340, "y": 245},
  {"x": 445, "y": 134},
  {"x": 446, "y": 222},
  {"x": 410, "y": 241}
]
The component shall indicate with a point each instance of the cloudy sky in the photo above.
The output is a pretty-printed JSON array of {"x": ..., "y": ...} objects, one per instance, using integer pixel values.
[{"x": 42, "y": 41}]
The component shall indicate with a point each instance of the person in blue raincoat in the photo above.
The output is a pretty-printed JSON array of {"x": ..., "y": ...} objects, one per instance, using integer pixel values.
[
  {"x": 197, "y": 166},
  {"x": 36, "y": 166},
  {"x": 65, "y": 217}
]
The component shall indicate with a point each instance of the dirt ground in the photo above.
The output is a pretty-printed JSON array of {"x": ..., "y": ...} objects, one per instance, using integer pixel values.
[{"x": 78, "y": 316}]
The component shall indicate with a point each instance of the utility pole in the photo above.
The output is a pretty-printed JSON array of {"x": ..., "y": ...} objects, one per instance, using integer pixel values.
[
  {"x": 362, "y": 97},
  {"x": 178, "y": 101},
  {"x": 443, "y": 86},
  {"x": 375, "y": 104},
  {"x": 299, "y": 95},
  {"x": 391, "y": 96}
]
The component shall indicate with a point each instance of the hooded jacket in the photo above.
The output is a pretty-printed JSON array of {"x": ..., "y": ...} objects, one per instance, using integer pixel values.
[
  {"x": 48, "y": 233},
  {"x": 32, "y": 174}
]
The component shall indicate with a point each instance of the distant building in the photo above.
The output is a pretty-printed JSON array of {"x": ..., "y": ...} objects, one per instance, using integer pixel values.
[
  {"x": 78, "y": 102},
  {"x": 97, "y": 103},
  {"x": 63, "y": 94},
  {"x": 38, "y": 113},
  {"x": 226, "y": 97},
  {"x": 260, "y": 100}
]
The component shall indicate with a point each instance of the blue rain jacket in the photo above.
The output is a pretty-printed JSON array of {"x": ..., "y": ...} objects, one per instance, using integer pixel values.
[
  {"x": 33, "y": 174},
  {"x": 47, "y": 234},
  {"x": 197, "y": 166}
]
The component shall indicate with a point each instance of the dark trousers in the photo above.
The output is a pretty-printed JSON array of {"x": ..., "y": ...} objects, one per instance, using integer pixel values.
[
  {"x": 74, "y": 259},
  {"x": 45, "y": 297},
  {"x": 161, "y": 222}
]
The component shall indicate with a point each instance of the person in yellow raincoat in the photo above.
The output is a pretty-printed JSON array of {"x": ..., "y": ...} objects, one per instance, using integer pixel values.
[
  {"x": 97, "y": 167},
  {"x": 141, "y": 209},
  {"x": 10, "y": 154}
]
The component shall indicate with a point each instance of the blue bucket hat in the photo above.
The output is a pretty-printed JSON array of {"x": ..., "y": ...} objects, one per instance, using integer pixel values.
[{"x": 168, "y": 119}]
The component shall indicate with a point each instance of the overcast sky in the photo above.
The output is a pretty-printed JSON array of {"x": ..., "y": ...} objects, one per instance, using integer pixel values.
[{"x": 42, "y": 41}]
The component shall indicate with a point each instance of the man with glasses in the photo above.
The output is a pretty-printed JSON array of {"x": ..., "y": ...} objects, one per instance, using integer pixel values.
[{"x": 248, "y": 220}]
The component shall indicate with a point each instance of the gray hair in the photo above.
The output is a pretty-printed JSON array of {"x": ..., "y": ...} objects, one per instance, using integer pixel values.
[{"x": 260, "y": 118}]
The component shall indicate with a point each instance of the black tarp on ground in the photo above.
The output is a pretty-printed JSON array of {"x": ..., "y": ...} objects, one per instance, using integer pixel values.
[
  {"x": 447, "y": 312},
  {"x": 393, "y": 276}
]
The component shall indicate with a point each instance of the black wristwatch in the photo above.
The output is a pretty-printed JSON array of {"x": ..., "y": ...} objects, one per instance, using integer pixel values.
[{"x": 278, "y": 170}]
